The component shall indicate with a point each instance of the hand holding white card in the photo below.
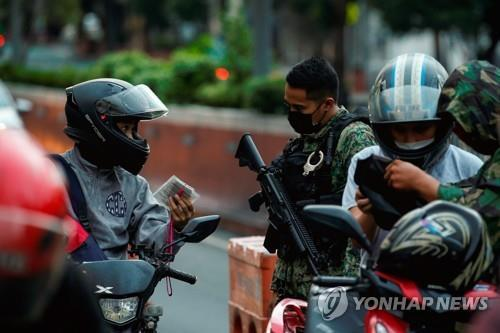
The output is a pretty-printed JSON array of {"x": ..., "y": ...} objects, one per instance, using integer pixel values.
[{"x": 175, "y": 186}]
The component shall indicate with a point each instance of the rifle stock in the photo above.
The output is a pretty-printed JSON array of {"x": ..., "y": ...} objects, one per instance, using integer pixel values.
[{"x": 278, "y": 203}]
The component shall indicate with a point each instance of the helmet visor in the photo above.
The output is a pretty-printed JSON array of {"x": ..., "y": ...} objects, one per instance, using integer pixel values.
[
  {"x": 404, "y": 104},
  {"x": 138, "y": 102}
]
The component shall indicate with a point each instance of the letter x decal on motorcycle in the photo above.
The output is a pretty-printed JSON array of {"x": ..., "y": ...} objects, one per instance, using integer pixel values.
[{"x": 103, "y": 290}]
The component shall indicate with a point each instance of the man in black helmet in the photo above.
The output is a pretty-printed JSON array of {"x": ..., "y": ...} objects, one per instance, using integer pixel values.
[{"x": 102, "y": 118}]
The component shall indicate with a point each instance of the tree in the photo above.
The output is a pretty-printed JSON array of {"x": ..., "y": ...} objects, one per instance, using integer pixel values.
[
  {"x": 470, "y": 17},
  {"x": 161, "y": 14},
  {"x": 329, "y": 19},
  {"x": 15, "y": 30}
]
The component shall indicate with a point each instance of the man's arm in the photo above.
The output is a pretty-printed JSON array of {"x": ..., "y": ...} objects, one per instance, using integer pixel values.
[
  {"x": 464, "y": 191},
  {"x": 366, "y": 221},
  {"x": 353, "y": 139},
  {"x": 467, "y": 196},
  {"x": 350, "y": 197},
  {"x": 150, "y": 223}
]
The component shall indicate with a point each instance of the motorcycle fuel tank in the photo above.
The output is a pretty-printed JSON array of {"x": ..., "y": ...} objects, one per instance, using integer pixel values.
[{"x": 118, "y": 277}]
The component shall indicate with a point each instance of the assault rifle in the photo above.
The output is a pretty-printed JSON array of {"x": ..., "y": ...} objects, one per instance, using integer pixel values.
[{"x": 273, "y": 194}]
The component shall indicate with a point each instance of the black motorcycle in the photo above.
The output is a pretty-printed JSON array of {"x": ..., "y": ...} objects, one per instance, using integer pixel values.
[{"x": 124, "y": 286}]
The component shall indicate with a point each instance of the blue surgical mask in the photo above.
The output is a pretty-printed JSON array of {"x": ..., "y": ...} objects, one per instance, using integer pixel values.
[{"x": 414, "y": 145}]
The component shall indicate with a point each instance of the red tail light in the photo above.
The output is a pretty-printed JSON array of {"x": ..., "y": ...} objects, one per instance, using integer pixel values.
[{"x": 293, "y": 319}]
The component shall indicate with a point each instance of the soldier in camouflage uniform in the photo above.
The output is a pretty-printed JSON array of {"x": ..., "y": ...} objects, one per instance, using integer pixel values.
[
  {"x": 329, "y": 137},
  {"x": 471, "y": 96}
]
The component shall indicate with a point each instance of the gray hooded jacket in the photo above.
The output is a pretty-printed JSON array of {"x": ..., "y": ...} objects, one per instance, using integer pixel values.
[{"x": 120, "y": 206}]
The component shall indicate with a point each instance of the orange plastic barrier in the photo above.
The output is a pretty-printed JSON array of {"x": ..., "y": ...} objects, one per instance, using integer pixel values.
[{"x": 251, "y": 270}]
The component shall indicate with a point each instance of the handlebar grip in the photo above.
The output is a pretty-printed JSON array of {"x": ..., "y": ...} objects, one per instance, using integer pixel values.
[
  {"x": 335, "y": 281},
  {"x": 178, "y": 275}
]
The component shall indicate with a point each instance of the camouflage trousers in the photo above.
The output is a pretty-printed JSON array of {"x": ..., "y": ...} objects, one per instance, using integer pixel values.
[{"x": 292, "y": 278}]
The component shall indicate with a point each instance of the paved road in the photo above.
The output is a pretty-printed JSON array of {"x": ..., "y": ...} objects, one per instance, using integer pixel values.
[{"x": 201, "y": 307}]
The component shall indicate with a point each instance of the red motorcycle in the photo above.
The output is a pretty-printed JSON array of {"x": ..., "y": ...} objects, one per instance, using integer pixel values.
[
  {"x": 334, "y": 302},
  {"x": 287, "y": 316}
]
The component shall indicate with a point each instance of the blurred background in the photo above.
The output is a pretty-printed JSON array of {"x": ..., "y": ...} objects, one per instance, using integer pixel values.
[{"x": 219, "y": 66}]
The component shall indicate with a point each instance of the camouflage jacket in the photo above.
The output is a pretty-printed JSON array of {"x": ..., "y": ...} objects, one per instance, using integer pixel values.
[
  {"x": 354, "y": 138},
  {"x": 471, "y": 96},
  {"x": 292, "y": 277},
  {"x": 481, "y": 193}
]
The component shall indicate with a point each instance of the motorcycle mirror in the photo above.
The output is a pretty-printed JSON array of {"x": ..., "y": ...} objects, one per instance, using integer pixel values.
[
  {"x": 338, "y": 220},
  {"x": 199, "y": 228},
  {"x": 24, "y": 105}
]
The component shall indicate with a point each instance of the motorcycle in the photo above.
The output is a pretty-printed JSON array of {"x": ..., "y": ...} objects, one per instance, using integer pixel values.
[
  {"x": 289, "y": 315},
  {"x": 331, "y": 306},
  {"x": 123, "y": 287}
]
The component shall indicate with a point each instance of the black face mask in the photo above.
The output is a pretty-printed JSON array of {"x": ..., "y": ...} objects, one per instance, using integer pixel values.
[{"x": 303, "y": 123}]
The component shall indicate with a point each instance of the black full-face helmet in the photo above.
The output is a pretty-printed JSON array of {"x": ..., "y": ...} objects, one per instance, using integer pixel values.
[
  {"x": 92, "y": 111},
  {"x": 441, "y": 244},
  {"x": 406, "y": 91}
]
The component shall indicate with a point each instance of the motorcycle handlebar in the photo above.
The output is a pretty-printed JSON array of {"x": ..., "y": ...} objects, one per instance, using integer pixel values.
[
  {"x": 335, "y": 281},
  {"x": 178, "y": 275}
]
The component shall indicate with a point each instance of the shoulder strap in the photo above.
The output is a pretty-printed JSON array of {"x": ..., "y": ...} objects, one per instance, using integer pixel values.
[
  {"x": 75, "y": 191},
  {"x": 293, "y": 144},
  {"x": 336, "y": 130}
]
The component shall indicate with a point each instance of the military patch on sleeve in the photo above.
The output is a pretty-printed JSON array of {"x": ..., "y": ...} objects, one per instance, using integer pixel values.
[{"x": 116, "y": 204}]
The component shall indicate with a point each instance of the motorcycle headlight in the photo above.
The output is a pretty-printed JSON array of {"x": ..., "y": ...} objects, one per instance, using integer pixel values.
[{"x": 119, "y": 310}]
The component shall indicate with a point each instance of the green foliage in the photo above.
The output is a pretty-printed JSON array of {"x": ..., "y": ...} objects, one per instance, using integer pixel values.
[
  {"x": 125, "y": 64},
  {"x": 467, "y": 16},
  {"x": 154, "y": 11},
  {"x": 265, "y": 94},
  {"x": 402, "y": 16},
  {"x": 162, "y": 13},
  {"x": 189, "y": 72},
  {"x": 64, "y": 77},
  {"x": 176, "y": 79},
  {"x": 222, "y": 94},
  {"x": 188, "y": 76},
  {"x": 238, "y": 48},
  {"x": 204, "y": 44},
  {"x": 322, "y": 14},
  {"x": 136, "y": 67},
  {"x": 61, "y": 12},
  {"x": 189, "y": 10},
  {"x": 317, "y": 12}
]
